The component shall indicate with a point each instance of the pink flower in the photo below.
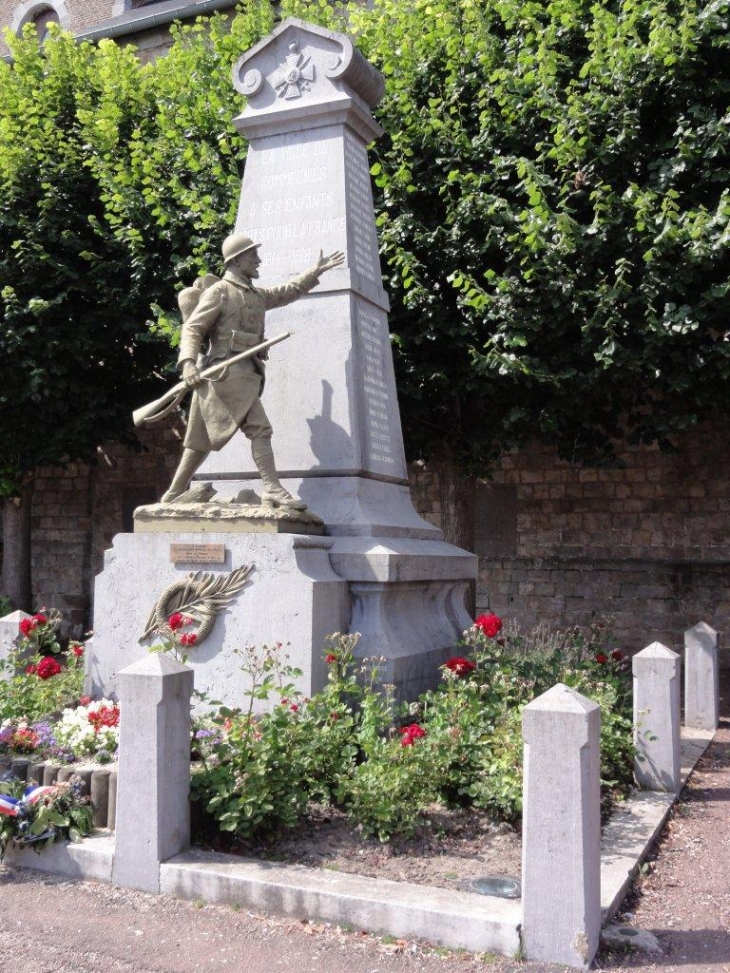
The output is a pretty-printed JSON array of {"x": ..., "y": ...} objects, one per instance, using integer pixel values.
[
  {"x": 40, "y": 619},
  {"x": 409, "y": 734},
  {"x": 329, "y": 659},
  {"x": 460, "y": 666},
  {"x": 489, "y": 625},
  {"x": 188, "y": 638},
  {"x": 84, "y": 700},
  {"x": 294, "y": 708},
  {"x": 78, "y": 650}
]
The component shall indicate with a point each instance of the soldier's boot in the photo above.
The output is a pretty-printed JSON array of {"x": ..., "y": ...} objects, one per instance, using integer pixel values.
[
  {"x": 273, "y": 492},
  {"x": 190, "y": 460}
]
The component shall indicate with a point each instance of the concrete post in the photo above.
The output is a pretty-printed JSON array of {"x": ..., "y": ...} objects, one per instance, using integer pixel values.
[
  {"x": 701, "y": 678},
  {"x": 561, "y": 828},
  {"x": 656, "y": 718},
  {"x": 152, "y": 815},
  {"x": 9, "y": 632}
]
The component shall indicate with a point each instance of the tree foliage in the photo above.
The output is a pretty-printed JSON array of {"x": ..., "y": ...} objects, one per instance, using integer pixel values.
[
  {"x": 117, "y": 182},
  {"x": 552, "y": 204},
  {"x": 555, "y": 216}
]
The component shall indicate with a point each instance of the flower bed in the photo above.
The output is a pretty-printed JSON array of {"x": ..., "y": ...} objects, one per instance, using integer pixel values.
[{"x": 388, "y": 766}]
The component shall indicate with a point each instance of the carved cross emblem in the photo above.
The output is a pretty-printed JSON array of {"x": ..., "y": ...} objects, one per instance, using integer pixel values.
[{"x": 295, "y": 75}]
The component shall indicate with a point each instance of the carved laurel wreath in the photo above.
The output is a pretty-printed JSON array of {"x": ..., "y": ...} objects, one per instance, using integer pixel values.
[{"x": 201, "y": 596}]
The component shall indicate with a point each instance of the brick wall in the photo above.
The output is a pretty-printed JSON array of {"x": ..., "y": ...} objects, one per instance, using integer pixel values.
[
  {"x": 647, "y": 544},
  {"x": 77, "y": 511}
]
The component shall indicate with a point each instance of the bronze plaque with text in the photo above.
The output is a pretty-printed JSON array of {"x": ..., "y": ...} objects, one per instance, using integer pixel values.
[{"x": 198, "y": 553}]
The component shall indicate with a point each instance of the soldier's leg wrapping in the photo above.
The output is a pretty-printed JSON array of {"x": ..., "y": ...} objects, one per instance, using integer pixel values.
[
  {"x": 257, "y": 428},
  {"x": 190, "y": 460}
]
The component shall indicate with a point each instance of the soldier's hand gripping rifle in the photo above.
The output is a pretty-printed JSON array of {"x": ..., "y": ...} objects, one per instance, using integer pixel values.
[{"x": 154, "y": 411}]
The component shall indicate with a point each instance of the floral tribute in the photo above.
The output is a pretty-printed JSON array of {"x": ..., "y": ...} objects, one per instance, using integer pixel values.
[
  {"x": 38, "y": 816},
  {"x": 91, "y": 730}
]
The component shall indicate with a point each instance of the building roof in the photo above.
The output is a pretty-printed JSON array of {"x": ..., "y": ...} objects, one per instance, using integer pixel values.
[{"x": 152, "y": 16}]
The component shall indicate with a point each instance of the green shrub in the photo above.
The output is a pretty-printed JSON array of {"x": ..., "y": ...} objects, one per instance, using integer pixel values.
[{"x": 386, "y": 765}]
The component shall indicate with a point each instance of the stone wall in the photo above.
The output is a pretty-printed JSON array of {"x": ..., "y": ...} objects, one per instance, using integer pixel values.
[{"x": 647, "y": 544}]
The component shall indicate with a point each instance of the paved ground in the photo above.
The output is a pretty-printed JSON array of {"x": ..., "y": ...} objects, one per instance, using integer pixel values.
[{"x": 49, "y": 925}]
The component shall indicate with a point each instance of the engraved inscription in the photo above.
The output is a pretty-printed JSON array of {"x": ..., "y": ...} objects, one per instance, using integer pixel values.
[
  {"x": 293, "y": 203},
  {"x": 364, "y": 256},
  {"x": 198, "y": 553},
  {"x": 378, "y": 438}
]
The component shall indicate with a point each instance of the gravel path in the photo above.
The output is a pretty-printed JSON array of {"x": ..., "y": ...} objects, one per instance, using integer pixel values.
[{"x": 51, "y": 925}]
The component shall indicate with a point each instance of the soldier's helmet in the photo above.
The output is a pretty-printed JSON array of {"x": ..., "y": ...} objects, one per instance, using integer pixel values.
[{"x": 236, "y": 244}]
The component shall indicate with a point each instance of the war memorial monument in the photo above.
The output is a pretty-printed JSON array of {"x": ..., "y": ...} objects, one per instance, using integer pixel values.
[{"x": 319, "y": 534}]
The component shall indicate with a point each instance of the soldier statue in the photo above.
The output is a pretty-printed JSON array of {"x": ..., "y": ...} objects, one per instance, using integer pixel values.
[{"x": 222, "y": 317}]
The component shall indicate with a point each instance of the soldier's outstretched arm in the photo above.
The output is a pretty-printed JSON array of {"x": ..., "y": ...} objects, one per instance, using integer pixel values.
[{"x": 297, "y": 286}]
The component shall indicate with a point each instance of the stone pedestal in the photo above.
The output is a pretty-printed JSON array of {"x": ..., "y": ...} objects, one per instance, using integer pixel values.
[{"x": 292, "y": 596}]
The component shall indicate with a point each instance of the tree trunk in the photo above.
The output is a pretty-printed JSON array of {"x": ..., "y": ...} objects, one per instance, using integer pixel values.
[
  {"x": 16, "y": 583},
  {"x": 457, "y": 493}
]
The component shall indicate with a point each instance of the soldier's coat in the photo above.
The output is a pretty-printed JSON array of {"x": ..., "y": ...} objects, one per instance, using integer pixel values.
[{"x": 228, "y": 319}]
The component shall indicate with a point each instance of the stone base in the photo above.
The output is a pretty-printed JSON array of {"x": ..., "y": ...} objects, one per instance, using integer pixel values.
[
  {"x": 292, "y": 596},
  {"x": 234, "y": 518},
  {"x": 405, "y": 596}
]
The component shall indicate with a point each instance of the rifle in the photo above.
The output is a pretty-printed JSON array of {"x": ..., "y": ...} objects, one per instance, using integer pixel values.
[{"x": 154, "y": 411}]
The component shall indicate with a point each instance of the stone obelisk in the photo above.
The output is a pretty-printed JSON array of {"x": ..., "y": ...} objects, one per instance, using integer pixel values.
[{"x": 330, "y": 390}]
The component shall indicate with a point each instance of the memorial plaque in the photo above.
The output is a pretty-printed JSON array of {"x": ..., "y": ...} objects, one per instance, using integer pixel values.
[{"x": 198, "y": 553}]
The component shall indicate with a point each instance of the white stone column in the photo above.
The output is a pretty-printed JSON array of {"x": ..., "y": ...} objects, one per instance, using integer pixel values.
[
  {"x": 9, "y": 632},
  {"x": 561, "y": 828},
  {"x": 701, "y": 678},
  {"x": 153, "y": 813},
  {"x": 657, "y": 718}
]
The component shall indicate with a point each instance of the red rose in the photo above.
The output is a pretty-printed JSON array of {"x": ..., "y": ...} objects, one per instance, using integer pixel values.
[
  {"x": 84, "y": 700},
  {"x": 40, "y": 619},
  {"x": 31, "y": 670},
  {"x": 78, "y": 650},
  {"x": 409, "y": 734},
  {"x": 294, "y": 708},
  {"x": 617, "y": 655},
  {"x": 175, "y": 621},
  {"x": 459, "y": 665},
  {"x": 601, "y": 658},
  {"x": 188, "y": 638},
  {"x": 47, "y": 667},
  {"x": 26, "y": 626},
  {"x": 489, "y": 625},
  {"x": 329, "y": 659}
]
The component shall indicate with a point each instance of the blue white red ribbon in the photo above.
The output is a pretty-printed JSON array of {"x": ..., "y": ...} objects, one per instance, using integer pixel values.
[{"x": 31, "y": 795}]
